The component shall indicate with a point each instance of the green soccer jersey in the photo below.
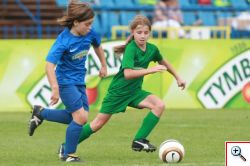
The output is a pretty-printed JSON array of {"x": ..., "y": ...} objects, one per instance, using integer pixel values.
[{"x": 133, "y": 58}]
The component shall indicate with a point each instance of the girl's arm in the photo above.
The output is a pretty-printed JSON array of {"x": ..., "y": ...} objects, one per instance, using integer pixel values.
[
  {"x": 181, "y": 83},
  {"x": 100, "y": 53},
  {"x": 131, "y": 73},
  {"x": 50, "y": 71}
]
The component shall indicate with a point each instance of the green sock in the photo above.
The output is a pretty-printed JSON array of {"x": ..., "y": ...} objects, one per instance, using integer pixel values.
[
  {"x": 147, "y": 126},
  {"x": 85, "y": 133}
]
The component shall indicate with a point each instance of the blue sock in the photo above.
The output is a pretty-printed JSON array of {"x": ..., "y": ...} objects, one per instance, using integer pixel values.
[
  {"x": 54, "y": 115},
  {"x": 72, "y": 137}
]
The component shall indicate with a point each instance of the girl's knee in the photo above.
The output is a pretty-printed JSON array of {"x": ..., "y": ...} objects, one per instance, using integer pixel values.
[
  {"x": 83, "y": 120},
  {"x": 159, "y": 108}
]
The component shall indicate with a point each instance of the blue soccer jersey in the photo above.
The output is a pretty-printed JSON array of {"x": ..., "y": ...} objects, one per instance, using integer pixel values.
[{"x": 69, "y": 53}]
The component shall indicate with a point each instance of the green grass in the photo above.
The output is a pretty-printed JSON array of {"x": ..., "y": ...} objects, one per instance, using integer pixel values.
[{"x": 202, "y": 132}]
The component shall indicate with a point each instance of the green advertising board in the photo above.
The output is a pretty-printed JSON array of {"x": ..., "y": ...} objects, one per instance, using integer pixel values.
[{"x": 217, "y": 73}]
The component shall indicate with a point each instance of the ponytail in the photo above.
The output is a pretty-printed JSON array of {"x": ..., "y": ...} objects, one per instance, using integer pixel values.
[{"x": 120, "y": 49}]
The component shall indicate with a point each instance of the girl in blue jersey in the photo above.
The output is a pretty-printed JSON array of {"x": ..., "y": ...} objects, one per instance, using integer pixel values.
[{"x": 68, "y": 54}]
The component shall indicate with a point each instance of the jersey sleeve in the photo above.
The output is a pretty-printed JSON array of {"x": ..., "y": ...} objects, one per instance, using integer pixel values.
[
  {"x": 56, "y": 52},
  {"x": 96, "y": 40},
  {"x": 128, "y": 58},
  {"x": 157, "y": 55}
]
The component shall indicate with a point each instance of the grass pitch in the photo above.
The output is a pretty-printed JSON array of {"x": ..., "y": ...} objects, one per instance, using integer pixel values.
[{"x": 202, "y": 132}]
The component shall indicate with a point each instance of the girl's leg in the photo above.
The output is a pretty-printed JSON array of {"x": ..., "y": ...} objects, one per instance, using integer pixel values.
[
  {"x": 39, "y": 114},
  {"x": 156, "y": 105},
  {"x": 73, "y": 131},
  {"x": 75, "y": 101},
  {"x": 56, "y": 115},
  {"x": 72, "y": 97},
  {"x": 88, "y": 129}
]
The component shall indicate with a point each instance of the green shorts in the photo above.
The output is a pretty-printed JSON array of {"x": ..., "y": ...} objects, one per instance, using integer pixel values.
[{"x": 113, "y": 103}]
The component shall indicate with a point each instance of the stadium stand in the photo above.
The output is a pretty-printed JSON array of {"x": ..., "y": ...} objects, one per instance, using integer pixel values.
[
  {"x": 124, "y": 3},
  {"x": 184, "y": 3},
  {"x": 189, "y": 18},
  {"x": 107, "y": 3},
  {"x": 29, "y": 19},
  {"x": 239, "y": 3},
  {"x": 207, "y": 17},
  {"x": 37, "y": 19}
]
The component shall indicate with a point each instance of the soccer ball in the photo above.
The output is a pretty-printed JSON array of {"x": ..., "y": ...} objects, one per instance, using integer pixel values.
[{"x": 171, "y": 151}]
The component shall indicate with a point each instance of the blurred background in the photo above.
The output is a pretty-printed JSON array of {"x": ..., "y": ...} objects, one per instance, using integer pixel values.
[{"x": 36, "y": 19}]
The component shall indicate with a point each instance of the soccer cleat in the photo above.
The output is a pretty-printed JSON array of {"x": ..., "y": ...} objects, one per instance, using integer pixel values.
[
  {"x": 36, "y": 119},
  {"x": 71, "y": 158},
  {"x": 61, "y": 152},
  {"x": 143, "y": 145}
]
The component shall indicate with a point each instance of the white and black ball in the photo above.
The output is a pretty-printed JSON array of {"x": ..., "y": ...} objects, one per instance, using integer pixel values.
[{"x": 171, "y": 151}]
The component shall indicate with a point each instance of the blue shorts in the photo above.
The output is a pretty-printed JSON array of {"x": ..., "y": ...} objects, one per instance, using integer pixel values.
[{"x": 74, "y": 97}]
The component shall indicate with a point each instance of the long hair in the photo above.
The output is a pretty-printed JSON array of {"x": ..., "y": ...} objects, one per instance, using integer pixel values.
[
  {"x": 138, "y": 20},
  {"x": 78, "y": 11}
]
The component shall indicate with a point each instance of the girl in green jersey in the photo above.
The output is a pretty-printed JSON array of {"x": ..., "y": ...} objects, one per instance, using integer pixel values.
[{"x": 126, "y": 87}]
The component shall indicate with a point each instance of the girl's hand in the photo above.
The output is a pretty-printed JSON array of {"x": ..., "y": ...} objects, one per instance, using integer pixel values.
[
  {"x": 181, "y": 83},
  {"x": 54, "y": 96},
  {"x": 103, "y": 71},
  {"x": 158, "y": 68}
]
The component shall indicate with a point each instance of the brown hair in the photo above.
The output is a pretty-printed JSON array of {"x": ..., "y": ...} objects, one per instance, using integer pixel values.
[
  {"x": 77, "y": 10},
  {"x": 138, "y": 20}
]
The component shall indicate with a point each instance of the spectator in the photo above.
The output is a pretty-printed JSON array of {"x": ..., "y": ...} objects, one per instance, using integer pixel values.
[
  {"x": 242, "y": 21},
  {"x": 168, "y": 14}
]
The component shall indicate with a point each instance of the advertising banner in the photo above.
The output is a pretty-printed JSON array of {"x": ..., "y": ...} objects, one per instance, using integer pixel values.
[{"x": 217, "y": 73}]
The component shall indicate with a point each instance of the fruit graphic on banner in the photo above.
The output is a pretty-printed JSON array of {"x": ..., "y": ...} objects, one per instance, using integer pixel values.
[
  {"x": 246, "y": 92},
  {"x": 92, "y": 88}
]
